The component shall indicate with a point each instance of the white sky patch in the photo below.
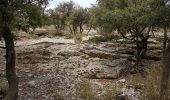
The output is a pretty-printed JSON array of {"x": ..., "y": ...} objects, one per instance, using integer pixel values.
[{"x": 82, "y": 3}]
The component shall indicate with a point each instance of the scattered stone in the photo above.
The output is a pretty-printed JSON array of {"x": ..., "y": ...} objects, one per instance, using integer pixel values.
[
  {"x": 27, "y": 71},
  {"x": 131, "y": 94},
  {"x": 104, "y": 69},
  {"x": 122, "y": 81},
  {"x": 55, "y": 64},
  {"x": 100, "y": 54},
  {"x": 30, "y": 75},
  {"x": 69, "y": 53},
  {"x": 153, "y": 41},
  {"x": 32, "y": 83}
]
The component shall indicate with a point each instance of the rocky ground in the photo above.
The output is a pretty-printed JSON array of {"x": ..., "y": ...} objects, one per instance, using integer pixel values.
[{"x": 62, "y": 69}]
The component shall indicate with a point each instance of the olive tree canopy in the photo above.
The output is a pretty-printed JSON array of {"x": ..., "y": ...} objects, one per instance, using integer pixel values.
[{"x": 9, "y": 9}]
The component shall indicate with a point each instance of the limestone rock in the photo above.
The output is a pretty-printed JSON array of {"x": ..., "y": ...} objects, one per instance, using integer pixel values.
[
  {"x": 131, "y": 94},
  {"x": 32, "y": 83},
  {"x": 41, "y": 32},
  {"x": 69, "y": 53},
  {"x": 100, "y": 54},
  {"x": 104, "y": 69},
  {"x": 122, "y": 81}
]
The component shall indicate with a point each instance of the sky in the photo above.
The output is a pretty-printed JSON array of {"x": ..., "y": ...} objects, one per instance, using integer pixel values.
[{"x": 82, "y": 3}]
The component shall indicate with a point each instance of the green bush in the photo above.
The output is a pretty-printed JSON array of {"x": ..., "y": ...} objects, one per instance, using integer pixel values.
[
  {"x": 78, "y": 36},
  {"x": 103, "y": 38}
]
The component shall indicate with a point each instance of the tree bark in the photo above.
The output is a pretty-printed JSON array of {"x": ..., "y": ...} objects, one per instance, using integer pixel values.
[
  {"x": 11, "y": 76},
  {"x": 74, "y": 29},
  {"x": 152, "y": 31},
  {"x": 165, "y": 74},
  {"x": 165, "y": 39},
  {"x": 70, "y": 29},
  {"x": 144, "y": 46},
  {"x": 141, "y": 48},
  {"x": 138, "y": 51},
  {"x": 89, "y": 30},
  {"x": 81, "y": 28}
]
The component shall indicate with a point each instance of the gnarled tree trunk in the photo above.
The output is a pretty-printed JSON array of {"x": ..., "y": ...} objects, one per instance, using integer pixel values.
[
  {"x": 81, "y": 28},
  {"x": 165, "y": 39},
  {"x": 89, "y": 30},
  {"x": 165, "y": 74},
  {"x": 12, "y": 93},
  {"x": 141, "y": 48}
]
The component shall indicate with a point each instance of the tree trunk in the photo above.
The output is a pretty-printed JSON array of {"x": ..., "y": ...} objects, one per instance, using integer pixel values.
[
  {"x": 81, "y": 29},
  {"x": 143, "y": 51},
  {"x": 74, "y": 29},
  {"x": 12, "y": 93},
  {"x": 70, "y": 29},
  {"x": 141, "y": 48},
  {"x": 144, "y": 46},
  {"x": 138, "y": 51},
  {"x": 89, "y": 30},
  {"x": 165, "y": 74},
  {"x": 165, "y": 39},
  {"x": 152, "y": 31}
]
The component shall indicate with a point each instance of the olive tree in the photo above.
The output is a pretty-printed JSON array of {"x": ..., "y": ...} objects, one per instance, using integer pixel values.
[
  {"x": 78, "y": 18},
  {"x": 161, "y": 18},
  {"x": 134, "y": 21},
  {"x": 31, "y": 16},
  {"x": 58, "y": 16},
  {"x": 9, "y": 9},
  {"x": 21, "y": 22},
  {"x": 166, "y": 64},
  {"x": 61, "y": 14},
  {"x": 130, "y": 18},
  {"x": 34, "y": 15}
]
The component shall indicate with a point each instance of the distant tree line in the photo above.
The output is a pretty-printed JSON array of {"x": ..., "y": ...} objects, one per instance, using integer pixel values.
[{"x": 69, "y": 15}]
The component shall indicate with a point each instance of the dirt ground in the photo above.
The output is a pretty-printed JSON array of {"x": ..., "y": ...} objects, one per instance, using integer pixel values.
[{"x": 47, "y": 73}]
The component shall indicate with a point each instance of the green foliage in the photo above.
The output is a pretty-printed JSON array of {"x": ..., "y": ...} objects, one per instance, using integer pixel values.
[
  {"x": 8, "y": 10},
  {"x": 23, "y": 14},
  {"x": 67, "y": 14},
  {"x": 125, "y": 20},
  {"x": 78, "y": 18},
  {"x": 132, "y": 18},
  {"x": 58, "y": 16},
  {"x": 103, "y": 19},
  {"x": 21, "y": 23},
  {"x": 35, "y": 15},
  {"x": 113, "y": 4}
]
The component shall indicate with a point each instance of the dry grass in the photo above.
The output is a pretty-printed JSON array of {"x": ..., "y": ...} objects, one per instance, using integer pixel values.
[
  {"x": 77, "y": 37},
  {"x": 84, "y": 90},
  {"x": 149, "y": 86},
  {"x": 103, "y": 38},
  {"x": 52, "y": 31},
  {"x": 21, "y": 35},
  {"x": 111, "y": 94}
]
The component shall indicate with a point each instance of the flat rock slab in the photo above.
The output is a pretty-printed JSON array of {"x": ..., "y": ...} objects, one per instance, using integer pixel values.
[
  {"x": 100, "y": 54},
  {"x": 42, "y": 40},
  {"x": 106, "y": 55},
  {"x": 104, "y": 69}
]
